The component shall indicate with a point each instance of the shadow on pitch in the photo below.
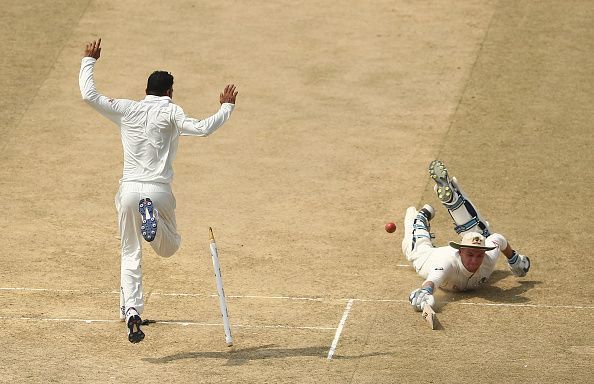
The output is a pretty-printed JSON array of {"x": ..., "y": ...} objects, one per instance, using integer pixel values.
[
  {"x": 242, "y": 356},
  {"x": 497, "y": 294}
]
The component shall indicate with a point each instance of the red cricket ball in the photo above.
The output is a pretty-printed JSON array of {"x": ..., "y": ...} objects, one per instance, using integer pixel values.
[{"x": 390, "y": 227}]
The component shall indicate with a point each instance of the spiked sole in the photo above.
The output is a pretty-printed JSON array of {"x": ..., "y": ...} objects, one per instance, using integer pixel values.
[
  {"x": 135, "y": 334},
  {"x": 439, "y": 173},
  {"x": 149, "y": 221}
]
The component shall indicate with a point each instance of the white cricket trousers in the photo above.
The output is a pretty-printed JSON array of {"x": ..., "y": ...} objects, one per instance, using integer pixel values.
[{"x": 166, "y": 242}]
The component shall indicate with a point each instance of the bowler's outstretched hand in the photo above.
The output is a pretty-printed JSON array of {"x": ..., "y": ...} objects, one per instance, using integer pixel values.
[
  {"x": 228, "y": 95},
  {"x": 93, "y": 49}
]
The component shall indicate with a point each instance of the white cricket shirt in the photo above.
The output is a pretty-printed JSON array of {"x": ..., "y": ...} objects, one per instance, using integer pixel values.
[
  {"x": 448, "y": 272},
  {"x": 149, "y": 128}
]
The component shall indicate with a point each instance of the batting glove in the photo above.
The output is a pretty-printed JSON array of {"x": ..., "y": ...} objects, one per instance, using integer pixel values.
[
  {"x": 519, "y": 264},
  {"x": 419, "y": 297}
]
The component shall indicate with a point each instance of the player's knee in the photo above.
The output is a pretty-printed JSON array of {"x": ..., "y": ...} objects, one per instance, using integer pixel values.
[
  {"x": 167, "y": 251},
  {"x": 167, "y": 248}
]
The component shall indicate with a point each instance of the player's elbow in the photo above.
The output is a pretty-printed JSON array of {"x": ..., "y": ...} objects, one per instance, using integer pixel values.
[
  {"x": 202, "y": 130},
  {"x": 87, "y": 97}
]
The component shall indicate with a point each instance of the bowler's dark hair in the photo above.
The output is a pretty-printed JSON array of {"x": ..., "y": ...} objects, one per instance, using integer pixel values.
[{"x": 159, "y": 83}]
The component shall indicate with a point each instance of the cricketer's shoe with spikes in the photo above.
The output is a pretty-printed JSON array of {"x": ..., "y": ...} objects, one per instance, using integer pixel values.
[
  {"x": 133, "y": 323},
  {"x": 465, "y": 215},
  {"x": 149, "y": 215},
  {"x": 439, "y": 173}
]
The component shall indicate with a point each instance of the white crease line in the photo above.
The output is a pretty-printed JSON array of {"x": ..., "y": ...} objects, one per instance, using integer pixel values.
[
  {"x": 285, "y": 327},
  {"x": 178, "y": 294},
  {"x": 528, "y": 305},
  {"x": 340, "y": 327},
  {"x": 94, "y": 291},
  {"x": 71, "y": 320},
  {"x": 487, "y": 304},
  {"x": 276, "y": 297},
  {"x": 182, "y": 323},
  {"x": 382, "y": 300},
  {"x": 241, "y": 296},
  {"x": 319, "y": 299},
  {"x": 39, "y": 289},
  {"x": 181, "y": 294}
]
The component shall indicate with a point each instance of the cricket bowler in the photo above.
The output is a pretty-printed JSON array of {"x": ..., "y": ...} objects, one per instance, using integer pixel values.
[{"x": 149, "y": 130}]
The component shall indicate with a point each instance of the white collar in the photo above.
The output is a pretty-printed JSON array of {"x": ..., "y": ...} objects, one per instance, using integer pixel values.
[{"x": 156, "y": 98}]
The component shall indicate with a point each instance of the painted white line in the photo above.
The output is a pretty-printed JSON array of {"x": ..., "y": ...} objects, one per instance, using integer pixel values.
[
  {"x": 178, "y": 294},
  {"x": 66, "y": 320},
  {"x": 319, "y": 299},
  {"x": 182, "y": 294},
  {"x": 243, "y": 296},
  {"x": 382, "y": 300},
  {"x": 51, "y": 290},
  {"x": 166, "y": 322},
  {"x": 527, "y": 305},
  {"x": 340, "y": 327},
  {"x": 172, "y": 294},
  {"x": 277, "y": 297},
  {"x": 38, "y": 289},
  {"x": 544, "y": 306}
]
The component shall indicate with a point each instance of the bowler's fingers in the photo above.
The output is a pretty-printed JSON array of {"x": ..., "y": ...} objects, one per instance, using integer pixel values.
[
  {"x": 233, "y": 91},
  {"x": 230, "y": 89},
  {"x": 97, "y": 46},
  {"x": 93, "y": 48},
  {"x": 228, "y": 95}
]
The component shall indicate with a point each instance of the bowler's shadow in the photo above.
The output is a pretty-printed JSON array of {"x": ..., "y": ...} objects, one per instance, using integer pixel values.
[{"x": 242, "y": 356}]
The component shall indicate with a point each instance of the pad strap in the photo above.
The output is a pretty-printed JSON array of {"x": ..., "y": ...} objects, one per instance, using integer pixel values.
[{"x": 471, "y": 223}]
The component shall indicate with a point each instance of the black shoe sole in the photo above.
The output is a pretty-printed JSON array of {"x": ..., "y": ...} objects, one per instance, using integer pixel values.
[
  {"x": 148, "y": 229},
  {"x": 135, "y": 334}
]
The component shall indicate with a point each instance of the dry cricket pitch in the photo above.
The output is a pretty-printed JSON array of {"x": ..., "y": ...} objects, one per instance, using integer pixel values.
[{"x": 341, "y": 107}]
